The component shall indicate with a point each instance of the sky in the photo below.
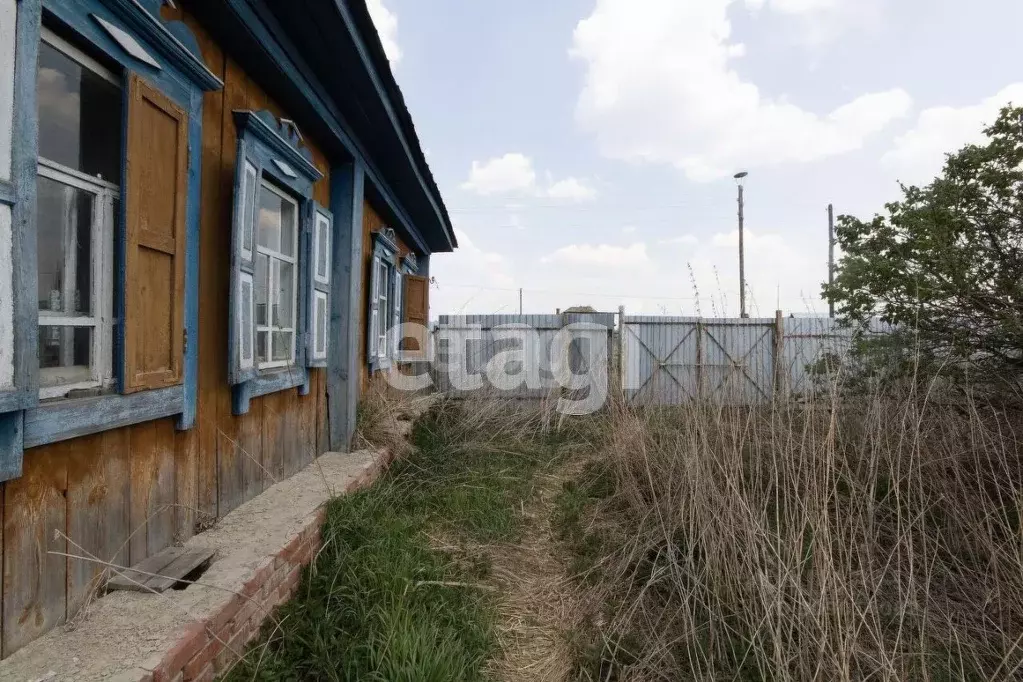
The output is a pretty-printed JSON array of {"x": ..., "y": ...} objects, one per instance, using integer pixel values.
[{"x": 585, "y": 148}]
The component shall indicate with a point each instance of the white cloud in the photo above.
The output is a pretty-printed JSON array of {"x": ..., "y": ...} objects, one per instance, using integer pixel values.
[
  {"x": 509, "y": 174},
  {"x": 795, "y": 6},
  {"x": 779, "y": 272},
  {"x": 660, "y": 87},
  {"x": 471, "y": 279},
  {"x": 684, "y": 239},
  {"x": 918, "y": 155},
  {"x": 386, "y": 23},
  {"x": 751, "y": 241},
  {"x": 821, "y": 21},
  {"x": 571, "y": 189},
  {"x": 490, "y": 262},
  {"x": 514, "y": 174},
  {"x": 604, "y": 255}
]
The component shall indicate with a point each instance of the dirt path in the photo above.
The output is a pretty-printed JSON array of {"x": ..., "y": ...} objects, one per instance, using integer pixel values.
[{"x": 538, "y": 602}]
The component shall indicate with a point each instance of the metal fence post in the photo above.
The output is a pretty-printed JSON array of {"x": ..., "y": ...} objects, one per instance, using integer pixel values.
[
  {"x": 779, "y": 345},
  {"x": 699, "y": 359},
  {"x": 621, "y": 350}
]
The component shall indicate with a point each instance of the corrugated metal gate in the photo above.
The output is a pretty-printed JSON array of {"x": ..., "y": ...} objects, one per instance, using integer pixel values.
[
  {"x": 668, "y": 360},
  {"x": 661, "y": 360}
]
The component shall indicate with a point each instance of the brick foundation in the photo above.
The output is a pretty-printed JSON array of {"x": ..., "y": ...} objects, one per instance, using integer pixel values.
[{"x": 203, "y": 650}]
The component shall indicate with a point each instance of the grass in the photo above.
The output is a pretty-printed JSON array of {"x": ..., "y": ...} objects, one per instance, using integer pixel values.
[
  {"x": 394, "y": 595},
  {"x": 867, "y": 537},
  {"x": 874, "y": 537}
]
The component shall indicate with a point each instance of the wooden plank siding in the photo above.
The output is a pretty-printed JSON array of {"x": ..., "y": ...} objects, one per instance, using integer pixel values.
[{"x": 128, "y": 493}]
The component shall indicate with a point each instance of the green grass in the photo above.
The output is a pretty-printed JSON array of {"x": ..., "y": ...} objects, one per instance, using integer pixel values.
[{"x": 372, "y": 608}]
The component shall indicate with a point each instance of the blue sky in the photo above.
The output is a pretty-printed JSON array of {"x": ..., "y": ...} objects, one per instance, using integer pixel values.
[{"x": 585, "y": 148}]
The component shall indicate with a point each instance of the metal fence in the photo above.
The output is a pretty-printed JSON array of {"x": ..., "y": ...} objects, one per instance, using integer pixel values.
[
  {"x": 660, "y": 360},
  {"x": 670, "y": 360},
  {"x": 667, "y": 360},
  {"x": 466, "y": 346}
]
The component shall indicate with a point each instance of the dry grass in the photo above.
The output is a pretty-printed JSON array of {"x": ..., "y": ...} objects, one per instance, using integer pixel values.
[
  {"x": 384, "y": 418},
  {"x": 539, "y": 601},
  {"x": 873, "y": 539}
]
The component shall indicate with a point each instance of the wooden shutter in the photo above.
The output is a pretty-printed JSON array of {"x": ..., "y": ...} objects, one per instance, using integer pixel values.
[
  {"x": 241, "y": 322},
  {"x": 417, "y": 308},
  {"x": 373, "y": 318},
  {"x": 156, "y": 186},
  {"x": 318, "y": 328}
]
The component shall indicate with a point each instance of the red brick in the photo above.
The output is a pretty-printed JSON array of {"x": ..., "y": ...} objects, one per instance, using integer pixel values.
[
  {"x": 279, "y": 575},
  {"x": 246, "y": 612},
  {"x": 191, "y": 639},
  {"x": 235, "y": 647},
  {"x": 207, "y": 674},
  {"x": 263, "y": 571},
  {"x": 294, "y": 576},
  {"x": 201, "y": 660},
  {"x": 226, "y": 613}
]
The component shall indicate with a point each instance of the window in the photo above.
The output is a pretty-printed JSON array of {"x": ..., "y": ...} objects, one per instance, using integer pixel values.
[
  {"x": 381, "y": 313},
  {"x": 276, "y": 278},
  {"x": 80, "y": 104},
  {"x": 385, "y": 300},
  {"x": 281, "y": 262},
  {"x": 99, "y": 159}
]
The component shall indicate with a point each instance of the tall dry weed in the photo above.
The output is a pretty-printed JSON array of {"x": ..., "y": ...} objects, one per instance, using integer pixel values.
[{"x": 869, "y": 538}]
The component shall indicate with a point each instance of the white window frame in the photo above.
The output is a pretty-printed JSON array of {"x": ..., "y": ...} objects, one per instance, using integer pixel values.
[
  {"x": 396, "y": 312},
  {"x": 105, "y": 195},
  {"x": 321, "y": 238},
  {"x": 271, "y": 289},
  {"x": 76, "y": 54},
  {"x": 382, "y": 268}
]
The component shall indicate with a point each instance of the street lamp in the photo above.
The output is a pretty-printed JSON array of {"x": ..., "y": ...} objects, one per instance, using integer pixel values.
[{"x": 740, "y": 178}]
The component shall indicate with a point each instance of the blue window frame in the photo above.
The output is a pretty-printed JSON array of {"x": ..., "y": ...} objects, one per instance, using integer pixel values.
[
  {"x": 279, "y": 322},
  {"x": 84, "y": 305}
]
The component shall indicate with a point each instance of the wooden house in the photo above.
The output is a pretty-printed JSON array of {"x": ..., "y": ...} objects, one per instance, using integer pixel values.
[{"x": 210, "y": 213}]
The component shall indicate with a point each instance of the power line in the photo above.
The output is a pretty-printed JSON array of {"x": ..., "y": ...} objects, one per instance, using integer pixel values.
[
  {"x": 571, "y": 207},
  {"x": 483, "y": 287}
]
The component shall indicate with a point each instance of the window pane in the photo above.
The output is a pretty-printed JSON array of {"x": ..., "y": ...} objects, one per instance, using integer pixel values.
[
  {"x": 285, "y": 280},
  {"x": 373, "y": 333},
  {"x": 79, "y": 116},
  {"x": 269, "y": 235},
  {"x": 248, "y": 202},
  {"x": 321, "y": 325},
  {"x": 289, "y": 220},
  {"x": 262, "y": 286},
  {"x": 246, "y": 321},
  {"x": 65, "y": 355},
  {"x": 322, "y": 234},
  {"x": 283, "y": 342},
  {"x": 64, "y": 233},
  {"x": 262, "y": 339}
]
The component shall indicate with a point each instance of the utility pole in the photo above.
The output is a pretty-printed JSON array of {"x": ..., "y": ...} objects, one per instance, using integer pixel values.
[
  {"x": 739, "y": 178},
  {"x": 520, "y": 300},
  {"x": 831, "y": 256}
]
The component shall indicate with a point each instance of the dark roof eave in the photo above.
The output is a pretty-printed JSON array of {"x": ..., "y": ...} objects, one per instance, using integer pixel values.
[{"x": 360, "y": 24}]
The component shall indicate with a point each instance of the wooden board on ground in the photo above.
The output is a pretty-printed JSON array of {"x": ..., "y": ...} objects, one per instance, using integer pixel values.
[{"x": 161, "y": 571}]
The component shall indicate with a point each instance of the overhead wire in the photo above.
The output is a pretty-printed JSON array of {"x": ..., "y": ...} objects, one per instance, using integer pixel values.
[{"x": 483, "y": 287}]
